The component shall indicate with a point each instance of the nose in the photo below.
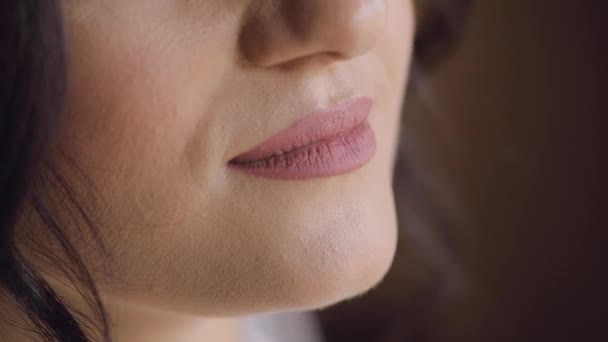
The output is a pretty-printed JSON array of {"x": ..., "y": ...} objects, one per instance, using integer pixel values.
[{"x": 277, "y": 32}]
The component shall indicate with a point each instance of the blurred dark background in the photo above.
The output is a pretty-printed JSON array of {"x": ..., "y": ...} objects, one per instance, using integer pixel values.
[{"x": 500, "y": 187}]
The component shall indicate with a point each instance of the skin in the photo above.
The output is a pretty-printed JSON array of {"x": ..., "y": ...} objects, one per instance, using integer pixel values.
[{"x": 164, "y": 93}]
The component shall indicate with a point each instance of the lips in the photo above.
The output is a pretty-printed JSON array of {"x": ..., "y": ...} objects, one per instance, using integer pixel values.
[{"x": 325, "y": 143}]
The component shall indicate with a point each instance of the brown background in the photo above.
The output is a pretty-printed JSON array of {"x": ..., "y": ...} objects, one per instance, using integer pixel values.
[{"x": 501, "y": 195}]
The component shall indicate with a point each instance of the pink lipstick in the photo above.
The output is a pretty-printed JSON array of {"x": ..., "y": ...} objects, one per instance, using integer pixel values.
[{"x": 325, "y": 143}]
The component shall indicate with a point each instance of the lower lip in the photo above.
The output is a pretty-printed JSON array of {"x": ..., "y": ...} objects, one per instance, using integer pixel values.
[{"x": 329, "y": 157}]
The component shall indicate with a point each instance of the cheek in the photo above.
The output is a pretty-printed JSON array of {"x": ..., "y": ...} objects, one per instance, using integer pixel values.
[
  {"x": 393, "y": 54},
  {"x": 135, "y": 103},
  {"x": 396, "y": 45},
  {"x": 133, "y": 96}
]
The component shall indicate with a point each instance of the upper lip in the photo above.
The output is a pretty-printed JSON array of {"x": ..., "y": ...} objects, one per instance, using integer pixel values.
[{"x": 318, "y": 126}]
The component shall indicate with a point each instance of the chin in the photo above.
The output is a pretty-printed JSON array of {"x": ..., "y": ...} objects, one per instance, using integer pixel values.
[
  {"x": 345, "y": 263},
  {"x": 340, "y": 246}
]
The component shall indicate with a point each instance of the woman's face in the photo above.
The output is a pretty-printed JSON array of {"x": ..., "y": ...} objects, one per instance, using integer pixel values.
[{"x": 166, "y": 95}]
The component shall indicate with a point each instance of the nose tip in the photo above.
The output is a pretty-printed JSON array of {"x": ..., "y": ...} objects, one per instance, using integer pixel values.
[
  {"x": 304, "y": 29},
  {"x": 353, "y": 26}
]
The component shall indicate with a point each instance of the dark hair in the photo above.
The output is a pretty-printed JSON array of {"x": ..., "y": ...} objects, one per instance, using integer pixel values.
[{"x": 32, "y": 89}]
